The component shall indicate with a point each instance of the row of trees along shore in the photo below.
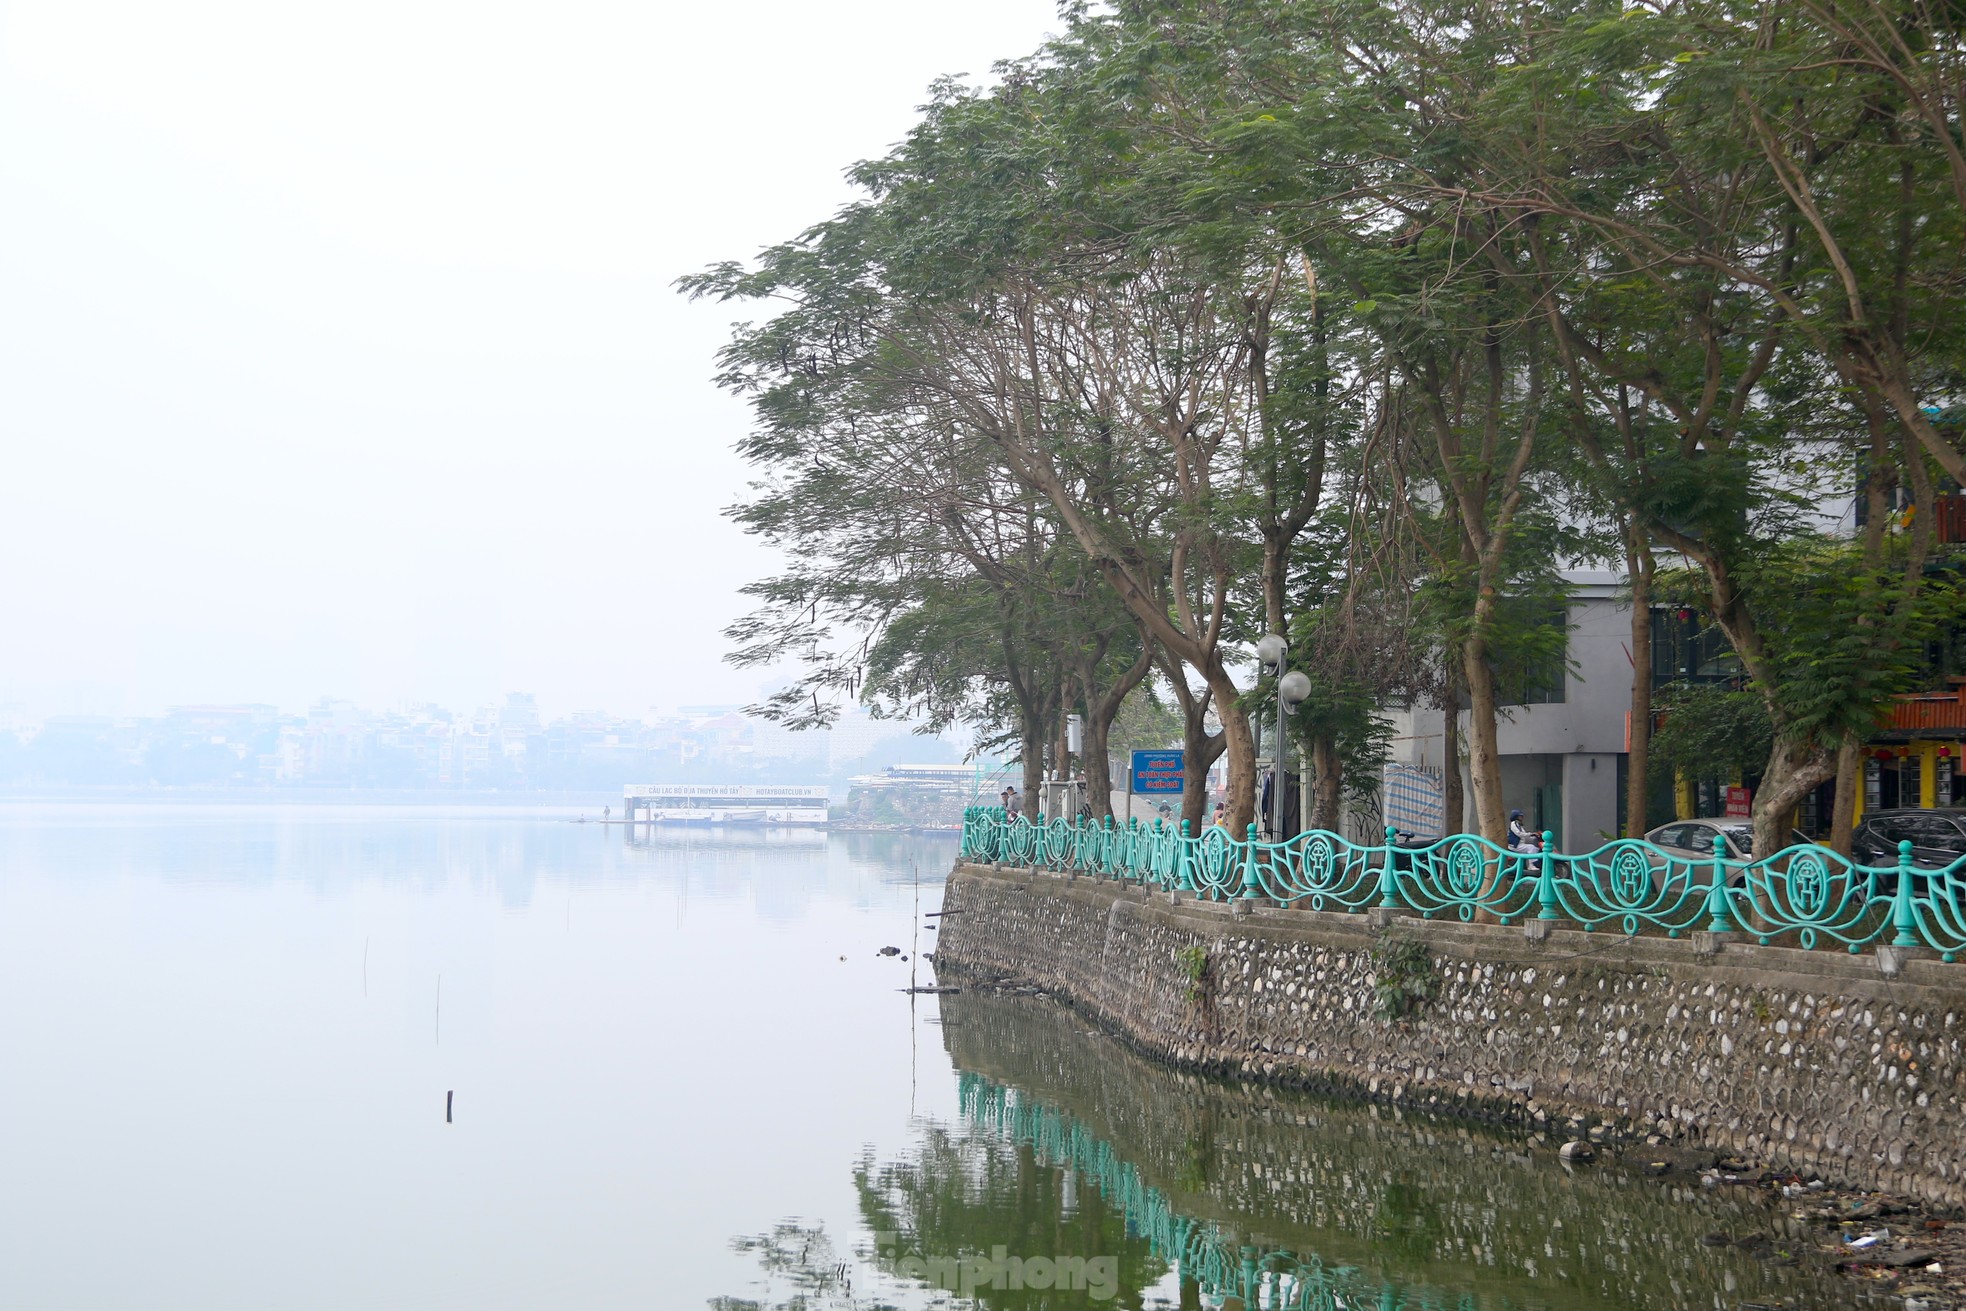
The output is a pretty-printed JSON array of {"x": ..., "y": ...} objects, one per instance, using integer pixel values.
[{"x": 1361, "y": 320}]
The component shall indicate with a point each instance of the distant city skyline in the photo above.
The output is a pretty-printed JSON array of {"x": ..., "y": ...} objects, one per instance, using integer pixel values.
[
  {"x": 114, "y": 702},
  {"x": 508, "y": 745}
]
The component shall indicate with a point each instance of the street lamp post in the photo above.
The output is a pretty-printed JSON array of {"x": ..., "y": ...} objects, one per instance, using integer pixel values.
[{"x": 1292, "y": 687}]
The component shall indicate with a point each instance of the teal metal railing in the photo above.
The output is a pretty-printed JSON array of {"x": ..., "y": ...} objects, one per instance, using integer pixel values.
[{"x": 1808, "y": 895}]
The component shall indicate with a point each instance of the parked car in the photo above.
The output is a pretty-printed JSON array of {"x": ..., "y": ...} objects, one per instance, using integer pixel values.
[
  {"x": 1692, "y": 839},
  {"x": 1938, "y": 837}
]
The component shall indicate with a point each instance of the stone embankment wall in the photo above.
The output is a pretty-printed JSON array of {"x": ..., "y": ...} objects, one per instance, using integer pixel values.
[{"x": 1846, "y": 1067}]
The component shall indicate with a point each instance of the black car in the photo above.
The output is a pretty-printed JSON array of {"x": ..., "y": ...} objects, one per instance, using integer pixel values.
[{"x": 1938, "y": 837}]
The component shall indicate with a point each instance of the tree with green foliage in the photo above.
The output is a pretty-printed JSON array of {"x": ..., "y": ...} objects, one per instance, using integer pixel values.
[{"x": 1363, "y": 321}]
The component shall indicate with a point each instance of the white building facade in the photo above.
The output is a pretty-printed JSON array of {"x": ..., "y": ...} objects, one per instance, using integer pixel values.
[{"x": 1562, "y": 757}]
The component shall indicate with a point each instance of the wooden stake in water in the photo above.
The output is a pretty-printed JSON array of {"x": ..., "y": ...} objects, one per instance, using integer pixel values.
[
  {"x": 447, "y": 1104},
  {"x": 914, "y": 954}
]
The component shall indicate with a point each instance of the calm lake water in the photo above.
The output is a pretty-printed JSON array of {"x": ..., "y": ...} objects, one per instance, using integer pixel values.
[{"x": 681, "y": 1075}]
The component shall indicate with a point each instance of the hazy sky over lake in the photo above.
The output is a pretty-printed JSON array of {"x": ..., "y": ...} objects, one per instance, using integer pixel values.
[{"x": 338, "y": 353}]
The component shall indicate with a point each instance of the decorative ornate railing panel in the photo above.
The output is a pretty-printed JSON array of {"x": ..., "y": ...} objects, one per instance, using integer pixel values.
[{"x": 1806, "y": 896}]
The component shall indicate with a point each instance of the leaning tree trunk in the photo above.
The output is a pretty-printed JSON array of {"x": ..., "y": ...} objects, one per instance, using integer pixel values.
[
  {"x": 1484, "y": 745},
  {"x": 1100, "y": 711},
  {"x": 1033, "y": 753},
  {"x": 1793, "y": 769},
  {"x": 1098, "y": 768},
  {"x": 1327, "y": 788},
  {"x": 1199, "y": 751},
  {"x": 1195, "y": 758},
  {"x": 1843, "y": 810},
  {"x": 1239, "y": 745},
  {"x": 1638, "y": 783},
  {"x": 1453, "y": 803},
  {"x": 1061, "y": 752}
]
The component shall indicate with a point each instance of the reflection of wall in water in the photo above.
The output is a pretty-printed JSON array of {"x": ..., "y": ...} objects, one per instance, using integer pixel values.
[{"x": 1363, "y": 1187}]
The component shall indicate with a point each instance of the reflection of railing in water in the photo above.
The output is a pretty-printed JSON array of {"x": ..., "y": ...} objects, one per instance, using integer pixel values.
[
  {"x": 1808, "y": 894},
  {"x": 1220, "y": 1265},
  {"x": 1400, "y": 1198}
]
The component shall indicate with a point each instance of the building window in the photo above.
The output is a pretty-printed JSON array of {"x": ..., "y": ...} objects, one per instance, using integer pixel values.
[
  {"x": 1685, "y": 649},
  {"x": 1547, "y": 683},
  {"x": 1539, "y": 673}
]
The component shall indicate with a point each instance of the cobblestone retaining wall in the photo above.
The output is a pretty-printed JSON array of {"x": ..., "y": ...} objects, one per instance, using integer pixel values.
[{"x": 1847, "y": 1067}]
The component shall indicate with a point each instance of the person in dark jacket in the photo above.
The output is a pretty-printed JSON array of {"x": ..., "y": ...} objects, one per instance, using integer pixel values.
[{"x": 1521, "y": 836}]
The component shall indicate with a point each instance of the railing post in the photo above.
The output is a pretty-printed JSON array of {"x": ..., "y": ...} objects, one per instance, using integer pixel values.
[
  {"x": 1902, "y": 917},
  {"x": 1252, "y": 886},
  {"x": 1719, "y": 909},
  {"x": 1546, "y": 880},
  {"x": 1388, "y": 878},
  {"x": 1184, "y": 872},
  {"x": 1178, "y": 877}
]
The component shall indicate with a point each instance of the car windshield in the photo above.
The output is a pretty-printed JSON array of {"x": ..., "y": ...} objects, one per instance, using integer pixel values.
[{"x": 1740, "y": 836}]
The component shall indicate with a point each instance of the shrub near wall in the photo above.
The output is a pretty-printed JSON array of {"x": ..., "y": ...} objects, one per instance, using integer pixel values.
[{"x": 1824, "y": 1063}]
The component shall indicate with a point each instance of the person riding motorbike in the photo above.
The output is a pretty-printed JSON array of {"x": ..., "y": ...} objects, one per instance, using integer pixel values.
[{"x": 1521, "y": 836}]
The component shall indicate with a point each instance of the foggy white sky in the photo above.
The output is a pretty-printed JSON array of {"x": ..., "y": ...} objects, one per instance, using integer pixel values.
[{"x": 338, "y": 354}]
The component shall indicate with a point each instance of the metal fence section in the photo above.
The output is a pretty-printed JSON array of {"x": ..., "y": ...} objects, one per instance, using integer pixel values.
[{"x": 1806, "y": 896}]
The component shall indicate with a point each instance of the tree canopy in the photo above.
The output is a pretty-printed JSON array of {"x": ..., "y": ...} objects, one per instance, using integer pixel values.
[{"x": 1362, "y": 322}]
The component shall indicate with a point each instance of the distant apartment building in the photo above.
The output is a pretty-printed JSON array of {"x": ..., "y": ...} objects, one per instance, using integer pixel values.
[{"x": 931, "y": 796}]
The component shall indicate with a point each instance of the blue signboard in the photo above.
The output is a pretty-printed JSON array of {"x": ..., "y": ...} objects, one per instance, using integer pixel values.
[{"x": 1157, "y": 771}]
